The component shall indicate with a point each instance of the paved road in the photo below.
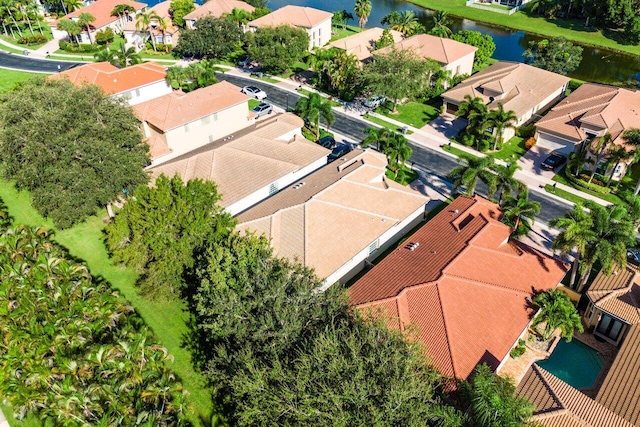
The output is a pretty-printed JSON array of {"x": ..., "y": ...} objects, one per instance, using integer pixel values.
[
  {"x": 21, "y": 62},
  {"x": 427, "y": 159}
]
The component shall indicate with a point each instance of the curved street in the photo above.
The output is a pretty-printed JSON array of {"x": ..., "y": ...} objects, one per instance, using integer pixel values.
[
  {"x": 15, "y": 61},
  {"x": 425, "y": 158}
]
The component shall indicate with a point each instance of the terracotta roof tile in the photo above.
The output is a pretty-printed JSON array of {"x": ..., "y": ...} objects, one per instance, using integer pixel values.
[
  {"x": 557, "y": 404},
  {"x": 335, "y": 201},
  {"x": 114, "y": 80},
  {"x": 101, "y": 10},
  {"x": 178, "y": 108},
  {"x": 361, "y": 44},
  {"x": 299, "y": 16},
  {"x": 475, "y": 280},
  {"x": 523, "y": 86},
  {"x": 620, "y": 391},
  {"x": 617, "y": 294},
  {"x": 217, "y": 8},
  {"x": 162, "y": 10},
  {"x": 445, "y": 51}
]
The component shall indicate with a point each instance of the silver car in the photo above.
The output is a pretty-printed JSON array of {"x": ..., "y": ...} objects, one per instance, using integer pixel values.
[
  {"x": 262, "y": 109},
  {"x": 255, "y": 92}
]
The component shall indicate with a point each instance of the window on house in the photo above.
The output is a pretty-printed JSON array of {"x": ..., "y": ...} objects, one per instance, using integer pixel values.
[
  {"x": 186, "y": 128},
  {"x": 215, "y": 117},
  {"x": 457, "y": 69},
  {"x": 273, "y": 188},
  {"x": 206, "y": 120},
  {"x": 374, "y": 246},
  {"x": 137, "y": 92},
  {"x": 609, "y": 327}
]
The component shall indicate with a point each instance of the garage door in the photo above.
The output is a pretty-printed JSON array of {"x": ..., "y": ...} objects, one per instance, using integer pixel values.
[
  {"x": 451, "y": 108},
  {"x": 553, "y": 143}
]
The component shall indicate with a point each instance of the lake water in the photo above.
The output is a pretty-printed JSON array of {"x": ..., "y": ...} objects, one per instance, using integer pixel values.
[{"x": 598, "y": 65}]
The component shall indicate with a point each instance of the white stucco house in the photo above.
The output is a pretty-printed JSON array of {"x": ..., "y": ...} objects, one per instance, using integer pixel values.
[
  {"x": 216, "y": 9},
  {"x": 168, "y": 35},
  {"x": 317, "y": 23}
]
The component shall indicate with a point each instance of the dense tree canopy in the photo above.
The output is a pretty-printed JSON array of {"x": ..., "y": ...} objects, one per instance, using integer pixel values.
[
  {"x": 276, "y": 48},
  {"x": 485, "y": 44},
  {"x": 178, "y": 9},
  {"x": 74, "y": 148},
  {"x": 557, "y": 55},
  {"x": 73, "y": 352},
  {"x": 284, "y": 354},
  {"x": 214, "y": 38},
  {"x": 158, "y": 230}
]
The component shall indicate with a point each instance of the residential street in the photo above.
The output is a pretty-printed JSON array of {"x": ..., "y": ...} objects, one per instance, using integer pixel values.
[
  {"x": 424, "y": 158},
  {"x": 25, "y": 63}
]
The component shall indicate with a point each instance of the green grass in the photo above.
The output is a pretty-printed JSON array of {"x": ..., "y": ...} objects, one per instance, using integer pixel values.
[
  {"x": 511, "y": 150},
  {"x": 572, "y": 29},
  {"x": 253, "y": 103},
  {"x": 10, "y": 78},
  {"x": 295, "y": 68},
  {"x": 564, "y": 194},
  {"x": 561, "y": 178},
  {"x": 338, "y": 33},
  {"x": 307, "y": 92},
  {"x": 165, "y": 318},
  {"x": 451, "y": 148},
  {"x": 384, "y": 123},
  {"x": 405, "y": 175},
  {"x": 265, "y": 79},
  {"x": 416, "y": 114}
]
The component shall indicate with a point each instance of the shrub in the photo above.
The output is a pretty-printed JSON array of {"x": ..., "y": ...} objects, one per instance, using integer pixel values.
[
  {"x": 85, "y": 48},
  {"x": 104, "y": 36},
  {"x": 583, "y": 181},
  {"x": 519, "y": 349},
  {"x": 574, "y": 84},
  {"x": 34, "y": 39},
  {"x": 526, "y": 131},
  {"x": 529, "y": 143}
]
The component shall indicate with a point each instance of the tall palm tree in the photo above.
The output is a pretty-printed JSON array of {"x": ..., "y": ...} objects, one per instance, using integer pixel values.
[
  {"x": 10, "y": 7},
  {"x": 616, "y": 154},
  {"x": 558, "y": 312},
  {"x": 441, "y": 25},
  {"x": 506, "y": 181},
  {"x": 378, "y": 136},
  {"x": 519, "y": 213},
  {"x": 405, "y": 22},
  {"x": 632, "y": 137},
  {"x": 474, "y": 169},
  {"x": 71, "y": 5},
  {"x": 575, "y": 234},
  {"x": 71, "y": 28},
  {"x": 144, "y": 22},
  {"x": 121, "y": 57},
  {"x": 346, "y": 17},
  {"x": 121, "y": 11},
  {"x": 84, "y": 21},
  {"x": 363, "y": 10},
  {"x": 397, "y": 151},
  {"x": 313, "y": 109},
  {"x": 577, "y": 160},
  {"x": 501, "y": 119},
  {"x": 599, "y": 147}
]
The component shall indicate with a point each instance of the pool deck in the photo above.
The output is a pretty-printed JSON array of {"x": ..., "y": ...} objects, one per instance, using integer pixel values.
[{"x": 608, "y": 352}]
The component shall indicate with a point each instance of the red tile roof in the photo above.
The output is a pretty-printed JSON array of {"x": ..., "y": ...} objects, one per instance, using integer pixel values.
[
  {"x": 101, "y": 10},
  {"x": 114, "y": 80},
  {"x": 463, "y": 288}
]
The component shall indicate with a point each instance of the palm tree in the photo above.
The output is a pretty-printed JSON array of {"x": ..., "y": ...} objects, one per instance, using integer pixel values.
[
  {"x": 577, "y": 161},
  {"x": 363, "y": 10},
  {"x": 501, "y": 119},
  {"x": 122, "y": 10},
  {"x": 84, "y": 19},
  {"x": 346, "y": 17},
  {"x": 313, "y": 108},
  {"x": 575, "y": 234},
  {"x": 519, "y": 213},
  {"x": 476, "y": 168},
  {"x": 616, "y": 154},
  {"x": 71, "y": 5},
  {"x": 441, "y": 25},
  {"x": 632, "y": 137},
  {"x": 121, "y": 58},
  {"x": 600, "y": 147},
  {"x": 144, "y": 23},
  {"x": 405, "y": 22},
  {"x": 379, "y": 136},
  {"x": 397, "y": 151},
  {"x": 557, "y": 312},
  {"x": 506, "y": 181},
  {"x": 176, "y": 76},
  {"x": 10, "y": 6},
  {"x": 71, "y": 28},
  {"x": 469, "y": 105}
]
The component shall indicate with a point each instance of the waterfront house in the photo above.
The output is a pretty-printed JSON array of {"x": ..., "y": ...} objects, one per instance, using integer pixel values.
[
  {"x": 519, "y": 87},
  {"x": 317, "y": 23},
  {"x": 339, "y": 218},
  {"x": 161, "y": 32},
  {"x": 215, "y": 9},
  {"x": 460, "y": 286},
  {"x": 363, "y": 43}
]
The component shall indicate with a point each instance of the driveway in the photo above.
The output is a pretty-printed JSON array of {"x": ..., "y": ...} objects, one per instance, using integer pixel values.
[
  {"x": 444, "y": 127},
  {"x": 535, "y": 156},
  {"x": 16, "y": 61}
]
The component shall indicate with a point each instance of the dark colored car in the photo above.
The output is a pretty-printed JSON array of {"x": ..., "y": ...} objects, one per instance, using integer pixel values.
[
  {"x": 339, "y": 151},
  {"x": 633, "y": 256},
  {"x": 553, "y": 161},
  {"x": 327, "y": 142}
]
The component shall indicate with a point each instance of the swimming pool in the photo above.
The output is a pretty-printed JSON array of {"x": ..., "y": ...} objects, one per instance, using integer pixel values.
[{"x": 575, "y": 363}]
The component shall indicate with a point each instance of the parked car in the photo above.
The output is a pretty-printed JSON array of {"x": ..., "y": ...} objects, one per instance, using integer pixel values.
[
  {"x": 262, "y": 109},
  {"x": 327, "y": 142},
  {"x": 553, "y": 161},
  {"x": 633, "y": 256},
  {"x": 375, "y": 101},
  {"x": 257, "y": 93},
  {"x": 339, "y": 151}
]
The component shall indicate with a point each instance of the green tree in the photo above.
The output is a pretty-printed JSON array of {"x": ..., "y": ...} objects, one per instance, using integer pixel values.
[
  {"x": 615, "y": 155},
  {"x": 399, "y": 74},
  {"x": 258, "y": 4},
  {"x": 494, "y": 402},
  {"x": 397, "y": 150},
  {"x": 214, "y": 38},
  {"x": 71, "y": 343},
  {"x": 557, "y": 55},
  {"x": 362, "y": 9},
  {"x": 72, "y": 5},
  {"x": 276, "y": 48},
  {"x": 474, "y": 169},
  {"x": 72, "y": 163},
  {"x": 378, "y": 136},
  {"x": 121, "y": 57},
  {"x": 84, "y": 21},
  {"x": 314, "y": 108},
  {"x": 577, "y": 160},
  {"x": 556, "y": 312},
  {"x": 507, "y": 183},
  {"x": 71, "y": 28},
  {"x": 342, "y": 18},
  {"x": 178, "y": 9},
  {"x": 520, "y": 213},
  {"x": 631, "y": 138},
  {"x": 194, "y": 76},
  {"x": 501, "y": 120},
  {"x": 122, "y": 11},
  {"x": 144, "y": 22},
  {"x": 342, "y": 74},
  {"x": 485, "y": 44},
  {"x": 478, "y": 122},
  {"x": 599, "y": 147},
  {"x": 441, "y": 25},
  {"x": 158, "y": 230},
  {"x": 405, "y": 22},
  {"x": 386, "y": 39}
]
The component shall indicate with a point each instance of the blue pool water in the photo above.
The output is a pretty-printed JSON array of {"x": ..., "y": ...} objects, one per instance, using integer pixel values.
[{"x": 575, "y": 363}]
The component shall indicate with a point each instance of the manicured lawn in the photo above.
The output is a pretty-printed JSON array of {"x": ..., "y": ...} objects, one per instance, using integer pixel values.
[
  {"x": 564, "y": 194},
  {"x": 166, "y": 318},
  {"x": 384, "y": 123},
  {"x": 610, "y": 197},
  {"x": 10, "y": 78},
  {"x": 265, "y": 79},
  {"x": 306, "y": 93},
  {"x": 405, "y": 175},
  {"x": 451, "y": 148},
  {"x": 511, "y": 150},
  {"x": 295, "y": 68},
  {"x": 253, "y": 103},
  {"x": 338, "y": 33},
  {"x": 573, "y": 29},
  {"x": 416, "y": 114}
]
